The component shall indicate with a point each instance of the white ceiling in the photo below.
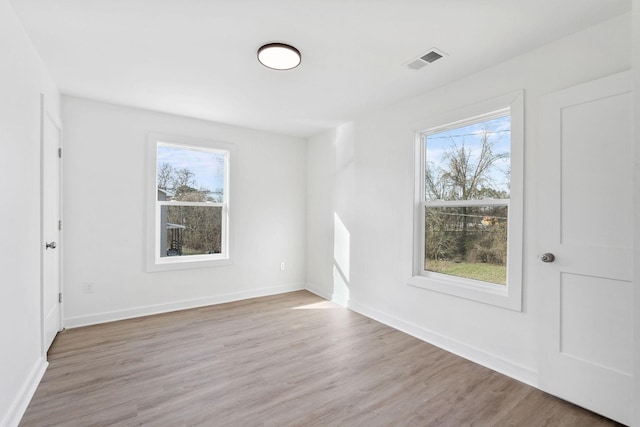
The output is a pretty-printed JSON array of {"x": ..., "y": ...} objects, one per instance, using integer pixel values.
[{"x": 197, "y": 58}]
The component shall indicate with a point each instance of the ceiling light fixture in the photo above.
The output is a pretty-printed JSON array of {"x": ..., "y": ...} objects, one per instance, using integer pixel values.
[{"x": 279, "y": 56}]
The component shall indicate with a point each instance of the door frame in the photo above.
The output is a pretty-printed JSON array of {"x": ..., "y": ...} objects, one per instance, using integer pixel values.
[{"x": 46, "y": 115}]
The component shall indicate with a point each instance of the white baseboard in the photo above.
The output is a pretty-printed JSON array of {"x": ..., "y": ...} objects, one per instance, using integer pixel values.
[
  {"x": 333, "y": 297},
  {"x": 94, "y": 319},
  {"x": 315, "y": 289},
  {"x": 340, "y": 300},
  {"x": 509, "y": 368},
  {"x": 21, "y": 402}
]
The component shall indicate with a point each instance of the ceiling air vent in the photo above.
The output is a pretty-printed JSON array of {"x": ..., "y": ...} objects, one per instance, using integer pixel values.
[
  {"x": 431, "y": 56},
  {"x": 425, "y": 59}
]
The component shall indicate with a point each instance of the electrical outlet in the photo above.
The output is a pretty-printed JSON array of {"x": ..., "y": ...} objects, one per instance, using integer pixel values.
[
  {"x": 282, "y": 265},
  {"x": 87, "y": 287}
]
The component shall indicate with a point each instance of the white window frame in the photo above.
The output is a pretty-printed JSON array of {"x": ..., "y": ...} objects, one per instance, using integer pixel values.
[
  {"x": 153, "y": 216},
  {"x": 507, "y": 296}
]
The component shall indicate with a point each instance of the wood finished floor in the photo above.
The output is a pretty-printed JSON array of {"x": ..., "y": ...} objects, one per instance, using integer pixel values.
[{"x": 284, "y": 360}]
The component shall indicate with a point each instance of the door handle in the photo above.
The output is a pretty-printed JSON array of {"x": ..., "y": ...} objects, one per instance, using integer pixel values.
[
  {"x": 547, "y": 257},
  {"x": 51, "y": 245}
]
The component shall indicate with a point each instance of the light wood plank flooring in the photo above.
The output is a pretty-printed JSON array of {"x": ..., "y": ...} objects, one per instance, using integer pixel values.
[{"x": 284, "y": 360}]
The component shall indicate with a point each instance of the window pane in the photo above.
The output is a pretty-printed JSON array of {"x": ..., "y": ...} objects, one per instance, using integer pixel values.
[
  {"x": 190, "y": 230},
  {"x": 190, "y": 174},
  {"x": 468, "y": 242},
  {"x": 470, "y": 162}
]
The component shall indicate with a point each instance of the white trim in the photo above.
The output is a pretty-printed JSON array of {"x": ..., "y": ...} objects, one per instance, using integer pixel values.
[
  {"x": 176, "y": 203},
  {"x": 333, "y": 297},
  {"x": 112, "y": 316},
  {"x": 472, "y": 202},
  {"x": 509, "y": 296},
  {"x": 19, "y": 405},
  {"x": 46, "y": 115},
  {"x": 191, "y": 261},
  {"x": 340, "y": 300},
  {"x": 153, "y": 262},
  {"x": 315, "y": 289},
  {"x": 468, "y": 121},
  {"x": 496, "y": 363},
  {"x": 43, "y": 350},
  {"x": 62, "y": 228}
]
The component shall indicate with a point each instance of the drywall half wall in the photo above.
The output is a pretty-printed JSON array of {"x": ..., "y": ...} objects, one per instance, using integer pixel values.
[
  {"x": 361, "y": 198},
  {"x": 23, "y": 79},
  {"x": 105, "y": 167}
]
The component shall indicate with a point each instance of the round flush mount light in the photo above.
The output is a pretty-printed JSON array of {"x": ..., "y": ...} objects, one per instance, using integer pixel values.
[{"x": 279, "y": 56}]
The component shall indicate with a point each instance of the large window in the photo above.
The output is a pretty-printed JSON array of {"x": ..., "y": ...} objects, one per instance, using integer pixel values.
[
  {"x": 469, "y": 205},
  {"x": 190, "y": 208},
  {"x": 467, "y": 174}
]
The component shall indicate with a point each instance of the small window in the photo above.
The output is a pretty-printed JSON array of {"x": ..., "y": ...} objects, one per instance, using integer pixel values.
[
  {"x": 190, "y": 208},
  {"x": 469, "y": 206}
]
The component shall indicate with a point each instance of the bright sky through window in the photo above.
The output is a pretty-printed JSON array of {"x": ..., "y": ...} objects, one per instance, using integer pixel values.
[
  {"x": 207, "y": 166},
  {"x": 497, "y": 130}
]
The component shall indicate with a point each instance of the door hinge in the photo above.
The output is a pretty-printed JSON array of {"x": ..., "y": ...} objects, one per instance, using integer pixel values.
[
  {"x": 59, "y": 225},
  {"x": 60, "y": 297},
  {"x": 60, "y": 152}
]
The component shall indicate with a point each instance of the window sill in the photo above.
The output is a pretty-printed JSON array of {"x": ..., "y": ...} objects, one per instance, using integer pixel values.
[
  {"x": 187, "y": 264},
  {"x": 474, "y": 290}
]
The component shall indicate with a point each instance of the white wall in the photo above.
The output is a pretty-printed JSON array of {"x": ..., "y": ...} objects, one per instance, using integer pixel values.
[
  {"x": 330, "y": 193},
  {"x": 369, "y": 171},
  {"x": 23, "y": 78},
  {"x": 105, "y": 149}
]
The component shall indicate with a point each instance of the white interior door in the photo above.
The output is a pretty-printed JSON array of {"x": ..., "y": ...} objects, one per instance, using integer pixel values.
[
  {"x": 585, "y": 220},
  {"x": 51, "y": 301}
]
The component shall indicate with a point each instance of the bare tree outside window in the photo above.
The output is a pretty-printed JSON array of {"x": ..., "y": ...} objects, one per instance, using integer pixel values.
[
  {"x": 190, "y": 184},
  {"x": 467, "y": 173}
]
